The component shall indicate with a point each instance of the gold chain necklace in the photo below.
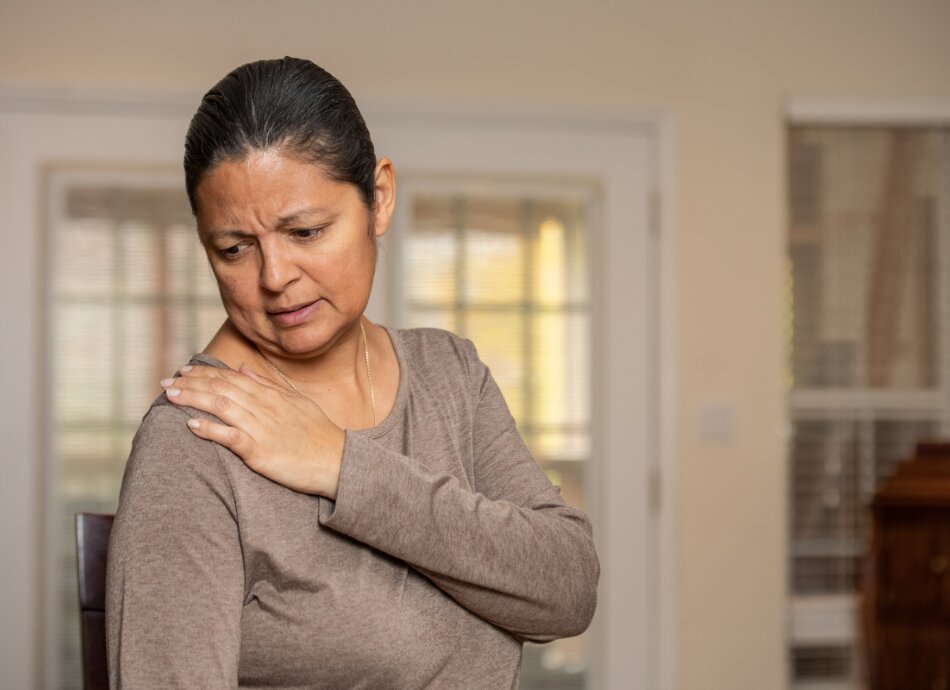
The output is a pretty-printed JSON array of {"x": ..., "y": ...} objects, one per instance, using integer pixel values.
[{"x": 369, "y": 372}]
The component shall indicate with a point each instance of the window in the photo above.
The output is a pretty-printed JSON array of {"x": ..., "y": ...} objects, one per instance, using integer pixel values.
[
  {"x": 131, "y": 299},
  {"x": 510, "y": 271},
  {"x": 867, "y": 369}
]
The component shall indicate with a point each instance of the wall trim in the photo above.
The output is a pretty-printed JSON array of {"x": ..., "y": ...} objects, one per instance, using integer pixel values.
[
  {"x": 65, "y": 100},
  {"x": 842, "y": 111}
]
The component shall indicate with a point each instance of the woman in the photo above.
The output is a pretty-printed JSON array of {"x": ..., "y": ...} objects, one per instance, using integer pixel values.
[{"x": 318, "y": 501}]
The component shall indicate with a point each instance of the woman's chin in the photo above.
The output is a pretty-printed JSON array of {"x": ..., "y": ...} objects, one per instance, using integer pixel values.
[
  {"x": 294, "y": 347},
  {"x": 297, "y": 342}
]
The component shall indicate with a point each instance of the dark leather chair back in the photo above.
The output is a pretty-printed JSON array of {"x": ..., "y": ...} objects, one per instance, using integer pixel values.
[{"x": 92, "y": 546}]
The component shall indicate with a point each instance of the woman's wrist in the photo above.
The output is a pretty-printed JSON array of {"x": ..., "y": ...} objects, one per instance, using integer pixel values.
[{"x": 330, "y": 464}]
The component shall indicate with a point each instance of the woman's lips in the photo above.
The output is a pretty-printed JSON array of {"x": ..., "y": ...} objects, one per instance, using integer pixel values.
[{"x": 295, "y": 317}]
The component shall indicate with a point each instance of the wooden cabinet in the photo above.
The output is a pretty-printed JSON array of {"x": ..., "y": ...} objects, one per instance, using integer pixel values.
[{"x": 907, "y": 604}]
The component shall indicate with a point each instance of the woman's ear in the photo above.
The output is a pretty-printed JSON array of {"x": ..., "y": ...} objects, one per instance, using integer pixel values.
[{"x": 385, "y": 200}]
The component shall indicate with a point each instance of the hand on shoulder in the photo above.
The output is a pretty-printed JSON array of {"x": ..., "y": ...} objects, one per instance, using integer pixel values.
[{"x": 280, "y": 434}]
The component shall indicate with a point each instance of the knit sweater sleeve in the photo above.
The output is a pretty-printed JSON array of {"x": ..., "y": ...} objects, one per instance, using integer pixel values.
[
  {"x": 175, "y": 582},
  {"x": 509, "y": 548}
]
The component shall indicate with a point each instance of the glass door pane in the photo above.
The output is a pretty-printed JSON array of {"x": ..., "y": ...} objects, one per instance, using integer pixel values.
[{"x": 511, "y": 273}]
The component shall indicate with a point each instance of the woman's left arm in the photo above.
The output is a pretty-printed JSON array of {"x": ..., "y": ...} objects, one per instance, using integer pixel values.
[{"x": 512, "y": 551}]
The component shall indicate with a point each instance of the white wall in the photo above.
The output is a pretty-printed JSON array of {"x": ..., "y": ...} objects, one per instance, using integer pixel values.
[{"x": 724, "y": 70}]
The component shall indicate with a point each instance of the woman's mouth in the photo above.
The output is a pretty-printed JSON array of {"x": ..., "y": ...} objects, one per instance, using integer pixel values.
[{"x": 295, "y": 315}]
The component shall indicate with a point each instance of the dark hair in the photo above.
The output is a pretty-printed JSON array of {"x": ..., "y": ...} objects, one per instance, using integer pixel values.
[{"x": 291, "y": 105}]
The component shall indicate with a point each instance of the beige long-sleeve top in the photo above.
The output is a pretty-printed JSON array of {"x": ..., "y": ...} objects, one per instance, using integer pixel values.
[{"x": 446, "y": 547}]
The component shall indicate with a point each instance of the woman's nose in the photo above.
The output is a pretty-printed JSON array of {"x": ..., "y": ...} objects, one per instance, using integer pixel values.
[{"x": 277, "y": 270}]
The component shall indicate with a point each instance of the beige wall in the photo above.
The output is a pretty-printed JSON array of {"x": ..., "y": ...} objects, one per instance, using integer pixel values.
[{"x": 723, "y": 70}]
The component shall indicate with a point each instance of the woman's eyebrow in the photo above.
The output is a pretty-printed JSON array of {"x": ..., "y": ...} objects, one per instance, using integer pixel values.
[
  {"x": 307, "y": 212},
  {"x": 225, "y": 235}
]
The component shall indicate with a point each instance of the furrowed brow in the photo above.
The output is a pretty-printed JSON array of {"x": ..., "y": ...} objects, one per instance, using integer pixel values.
[
  {"x": 229, "y": 235},
  {"x": 308, "y": 213}
]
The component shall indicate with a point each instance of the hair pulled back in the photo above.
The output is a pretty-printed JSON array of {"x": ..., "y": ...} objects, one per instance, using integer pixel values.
[{"x": 291, "y": 105}]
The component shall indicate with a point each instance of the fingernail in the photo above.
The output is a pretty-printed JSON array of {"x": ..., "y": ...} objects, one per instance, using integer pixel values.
[
  {"x": 173, "y": 392},
  {"x": 185, "y": 369},
  {"x": 194, "y": 423},
  {"x": 166, "y": 382}
]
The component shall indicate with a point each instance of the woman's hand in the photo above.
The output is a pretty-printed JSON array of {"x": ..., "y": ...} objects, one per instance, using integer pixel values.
[{"x": 280, "y": 434}]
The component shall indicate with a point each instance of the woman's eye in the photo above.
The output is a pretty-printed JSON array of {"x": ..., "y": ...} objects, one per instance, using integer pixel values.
[
  {"x": 307, "y": 233},
  {"x": 232, "y": 251}
]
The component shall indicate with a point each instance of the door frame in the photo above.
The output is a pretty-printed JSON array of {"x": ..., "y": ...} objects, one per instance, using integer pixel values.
[{"x": 631, "y": 498}]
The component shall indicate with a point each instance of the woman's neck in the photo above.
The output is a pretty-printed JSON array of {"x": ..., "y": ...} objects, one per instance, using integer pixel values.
[
  {"x": 337, "y": 380},
  {"x": 338, "y": 365}
]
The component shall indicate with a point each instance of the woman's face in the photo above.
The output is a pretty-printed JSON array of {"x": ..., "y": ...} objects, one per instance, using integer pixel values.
[{"x": 293, "y": 250}]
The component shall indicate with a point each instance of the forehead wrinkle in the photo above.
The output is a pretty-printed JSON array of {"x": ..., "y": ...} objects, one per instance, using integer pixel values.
[
  {"x": 229, "y": 234},
  {"x": 304, "y": 212}
]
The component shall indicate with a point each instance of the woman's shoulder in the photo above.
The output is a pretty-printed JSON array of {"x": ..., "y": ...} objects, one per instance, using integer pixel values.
[
  {"x": 435, "y": 346},
  {"x": 165, "y": 450},
  {"x": 166, "y": 424},
  {"x": 446, "y": 364},
  {"x": 168, "y": 420},
  {"x": 171, "y": 469}
]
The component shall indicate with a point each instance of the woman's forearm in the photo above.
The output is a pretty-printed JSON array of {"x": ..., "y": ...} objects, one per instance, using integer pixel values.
[{"x": 528, "y": 567}]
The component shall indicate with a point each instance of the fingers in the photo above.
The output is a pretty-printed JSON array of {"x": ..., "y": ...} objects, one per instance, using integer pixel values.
[
  {"x": 214, "y": 396},
  {"x": 244, "y": 380},
  {"x": 248, "y": 390},
  {"x": 235, "y": 440}
]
